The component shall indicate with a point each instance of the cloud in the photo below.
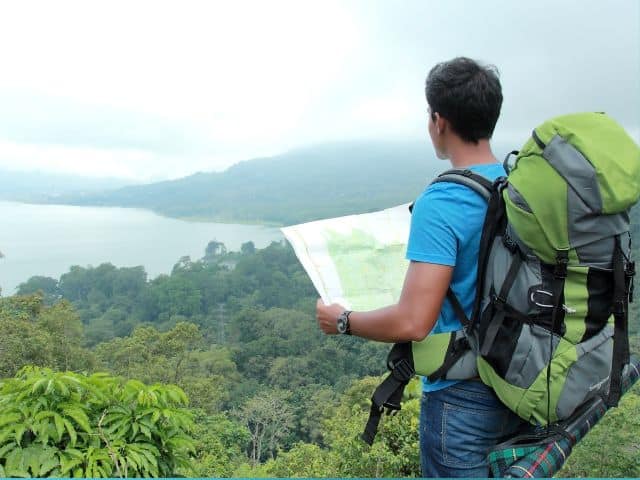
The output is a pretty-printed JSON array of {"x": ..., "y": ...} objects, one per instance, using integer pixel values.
[
  {"x": 120, "y": 163},
  {"x": 154, "y": 89},
  {"x": 28, "y": 117}
]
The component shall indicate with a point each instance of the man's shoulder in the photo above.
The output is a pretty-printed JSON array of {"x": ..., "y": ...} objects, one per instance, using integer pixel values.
[
  {"x": 437, "y": 194},
  {"x": 443, "y": 203}
]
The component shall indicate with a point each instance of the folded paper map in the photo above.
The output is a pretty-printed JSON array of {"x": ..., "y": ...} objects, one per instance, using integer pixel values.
[{"x": 356, "y": 260}]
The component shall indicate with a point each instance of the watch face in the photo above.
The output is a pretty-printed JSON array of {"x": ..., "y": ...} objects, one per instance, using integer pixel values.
[{"x": 342, "y": 324}]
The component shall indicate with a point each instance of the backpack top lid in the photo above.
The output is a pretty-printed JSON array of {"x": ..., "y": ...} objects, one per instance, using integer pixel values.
[{"x": 573, "y": 183}]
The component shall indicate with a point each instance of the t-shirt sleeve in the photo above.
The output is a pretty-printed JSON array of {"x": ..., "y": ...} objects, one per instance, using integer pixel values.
[{"x": 432, "y": 237}]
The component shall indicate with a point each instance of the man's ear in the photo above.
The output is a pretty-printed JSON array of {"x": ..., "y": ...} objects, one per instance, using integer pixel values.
[{"x": 440, "y": 124}]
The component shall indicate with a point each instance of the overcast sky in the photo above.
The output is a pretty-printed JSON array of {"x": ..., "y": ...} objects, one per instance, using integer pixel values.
[{"x": 150, "y": 90}]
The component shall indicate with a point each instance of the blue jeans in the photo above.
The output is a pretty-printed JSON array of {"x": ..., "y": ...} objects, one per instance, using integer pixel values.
[{"x": 458, "y": 426}]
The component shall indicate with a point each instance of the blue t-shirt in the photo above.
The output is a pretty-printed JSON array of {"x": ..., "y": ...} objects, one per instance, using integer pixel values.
[{"x": 446, "y": 225}]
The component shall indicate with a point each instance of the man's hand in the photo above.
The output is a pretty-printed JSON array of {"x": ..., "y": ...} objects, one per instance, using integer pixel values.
[{"x": 327, "y": 316}]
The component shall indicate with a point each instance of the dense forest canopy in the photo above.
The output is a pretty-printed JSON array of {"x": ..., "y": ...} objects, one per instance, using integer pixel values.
[{"x": 235, "y": 331}]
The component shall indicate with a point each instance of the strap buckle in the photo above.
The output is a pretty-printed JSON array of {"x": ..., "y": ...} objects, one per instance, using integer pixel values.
[
  {"x": 402, "y": 370},
  {"x": 618, "y": 308},
  {"x": 630, "y": 271},
  {"x": 562, "y": 261},
  {"x": 461, "y": 345},
  {"x": 497, "y": 300},
  {"x": 509, "y": 243}
]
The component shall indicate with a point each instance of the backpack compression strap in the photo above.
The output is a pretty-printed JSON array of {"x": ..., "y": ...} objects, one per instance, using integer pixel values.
[
  {"x": 622, "y": 278},
  {"x": 388, "y": 395}
]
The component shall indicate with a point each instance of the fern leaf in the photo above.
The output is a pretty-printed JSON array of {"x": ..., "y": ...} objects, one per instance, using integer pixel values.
[
  {"x": 149, "y": 451},
  {"x": 156, "y": 416},
  {"x": 61, "y": 388},
  {"x": 145, "y": 431},
  {"x": 67, "y": 464},
  {"x": 50, "y": 387},
  {"x": 18, "y": 432},
  {"x": 133, "y": 459},
  {"x": 9, "y": 418},
  {"x": 59, "y": 422},
  {"x": 47, "y": 466},
  {"x": 5, "y": 449},
  {"x": 39, "y": 386},
  {"x": 74, "y": 453},
  {"x": 43, "y": 414},
  {"x": 15, "y": 465},
  {"x": 80, "y": 418},
  {"x": 73, "y": 436}
]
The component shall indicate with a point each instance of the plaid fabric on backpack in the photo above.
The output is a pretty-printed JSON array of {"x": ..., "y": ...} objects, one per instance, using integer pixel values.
[{"x": 543, "y": 457}]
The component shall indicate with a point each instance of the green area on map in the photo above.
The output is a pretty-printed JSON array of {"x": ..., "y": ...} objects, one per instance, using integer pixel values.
[{"x": 370, "y": 272}]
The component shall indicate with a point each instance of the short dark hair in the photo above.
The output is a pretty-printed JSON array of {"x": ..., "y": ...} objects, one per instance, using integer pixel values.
[{"x": 468, "y": 95}]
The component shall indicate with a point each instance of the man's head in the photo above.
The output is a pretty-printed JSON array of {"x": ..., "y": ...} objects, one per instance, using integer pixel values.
[{"x": 465, "y": 97}]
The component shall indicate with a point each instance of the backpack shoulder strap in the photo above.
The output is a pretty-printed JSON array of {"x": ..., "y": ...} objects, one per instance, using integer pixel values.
[
  {"x": 483, "y": 187},
  {"x": 476, "y": 182}
]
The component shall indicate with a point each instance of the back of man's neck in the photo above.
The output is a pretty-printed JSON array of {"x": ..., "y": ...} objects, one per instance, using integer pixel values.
[{"x": 464, "y": 154}]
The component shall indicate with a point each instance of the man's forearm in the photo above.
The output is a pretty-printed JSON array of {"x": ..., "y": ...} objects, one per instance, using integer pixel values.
[
  {"x": 412, "y": 318},
  {"x": 388, "y": 324}
]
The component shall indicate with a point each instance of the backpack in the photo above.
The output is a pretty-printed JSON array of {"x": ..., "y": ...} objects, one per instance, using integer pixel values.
[{"x": 549, "y": 326}]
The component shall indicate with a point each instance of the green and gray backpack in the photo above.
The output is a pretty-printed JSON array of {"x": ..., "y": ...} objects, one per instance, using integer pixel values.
[{"x": 549, "y": 328}]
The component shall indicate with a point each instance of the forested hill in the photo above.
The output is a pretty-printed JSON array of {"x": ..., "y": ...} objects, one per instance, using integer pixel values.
[{"x": 301, "y": 185}]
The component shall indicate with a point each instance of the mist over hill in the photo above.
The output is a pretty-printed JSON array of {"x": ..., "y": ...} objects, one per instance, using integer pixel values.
[
  {"x": 34, "y": 186},
  {"x": 300, "y": 185}
]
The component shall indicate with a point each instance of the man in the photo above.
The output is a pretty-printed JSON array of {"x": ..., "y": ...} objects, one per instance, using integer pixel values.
[{"x": 459, "y": 421}]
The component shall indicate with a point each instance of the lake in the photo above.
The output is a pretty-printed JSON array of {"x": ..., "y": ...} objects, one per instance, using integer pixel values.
[{"x": 48, "y": 239}]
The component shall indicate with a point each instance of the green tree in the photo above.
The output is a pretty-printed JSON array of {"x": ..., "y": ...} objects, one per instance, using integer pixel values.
[
  {"x": 37, "y": 334},
  {"x": 394, "y": 454},
  {"x": 269, "y": 418},
  {"x": 396, "y": 450},
  {"x": 215, "y": 249},
  {"x": 248, "y": 248},
  {"x": 47, "y": 285},
  {"x": 65, "y": 332},
  {"x": 220, "y": 445},
  {"x": 62, "y": 424},
  {"x": 303, "y": 460},
  {"x": 18, "y": 316},
  {"x": 177, "y": 356},
  {"x": 176, "y": 295},
  {"x": 314, "y": 405}
]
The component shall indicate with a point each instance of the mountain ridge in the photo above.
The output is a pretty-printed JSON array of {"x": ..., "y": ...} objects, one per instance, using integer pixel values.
[{"x": 301, "y": 185}]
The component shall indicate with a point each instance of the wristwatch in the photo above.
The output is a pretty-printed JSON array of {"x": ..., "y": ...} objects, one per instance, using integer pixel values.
[{"x": 343, "y": 323}]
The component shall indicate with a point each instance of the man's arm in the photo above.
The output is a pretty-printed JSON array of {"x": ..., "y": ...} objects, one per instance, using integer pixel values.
[{"x": 412, "y": 318}]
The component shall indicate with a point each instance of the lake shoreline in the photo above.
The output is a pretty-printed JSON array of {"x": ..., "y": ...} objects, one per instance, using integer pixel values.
[
  {"x": 186, "y": 218},
  {"x": 46, "y": 239}
]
